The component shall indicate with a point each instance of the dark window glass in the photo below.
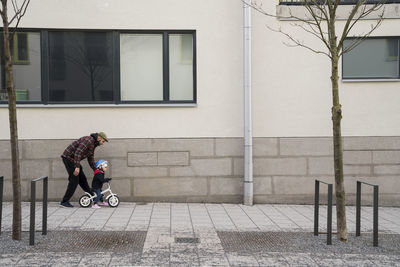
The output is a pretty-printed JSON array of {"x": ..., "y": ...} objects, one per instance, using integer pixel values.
[
  {"x": 22, "y": 47},
  {"x": 80, "y": 66}
]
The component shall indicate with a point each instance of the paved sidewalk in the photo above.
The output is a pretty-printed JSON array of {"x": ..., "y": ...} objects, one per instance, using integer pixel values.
[{"x": 197, "y": 234}]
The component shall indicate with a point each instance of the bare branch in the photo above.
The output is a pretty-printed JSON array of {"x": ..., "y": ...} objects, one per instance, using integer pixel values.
[
  {"x": 318, "y": 23},
  {"x": 361, "y": 38},
  {"x": 19, "y": 11},
  {"x": 298, "y": 42},
  {"x": 351, "y": 21},
  {"x": 312, "y": 31}
]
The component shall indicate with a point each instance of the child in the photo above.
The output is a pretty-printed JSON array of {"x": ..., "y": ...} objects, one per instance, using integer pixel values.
[{"x": 98, "y": 181}]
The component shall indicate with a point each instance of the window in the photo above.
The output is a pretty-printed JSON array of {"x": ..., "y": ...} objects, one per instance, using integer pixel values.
[
  {"x": 157, "y": 67},
  {"x": 26, "y": 57},
  {"x": 141, "y": 67},
  {"x": 374, "y": 58},
  {"x": 80, "y": 67},
  {"x": 109, "y": 67},
  {"x": 19, "y": 48}
]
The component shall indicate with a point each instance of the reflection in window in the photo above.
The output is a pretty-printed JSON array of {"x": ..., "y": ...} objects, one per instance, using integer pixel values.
[
  {"x": 25, "y": 53},
  {"x": 80, "y": 66},
  {"x": 372, "y": 58}
]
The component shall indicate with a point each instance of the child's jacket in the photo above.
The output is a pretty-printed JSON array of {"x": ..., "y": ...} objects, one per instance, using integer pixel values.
[{"x": 98, "y": 179}]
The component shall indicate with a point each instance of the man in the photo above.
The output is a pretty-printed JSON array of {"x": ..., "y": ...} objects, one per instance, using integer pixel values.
[{"x": 79, "y": 150}]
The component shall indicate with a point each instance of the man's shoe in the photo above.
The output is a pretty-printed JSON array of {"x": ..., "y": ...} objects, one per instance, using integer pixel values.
[{"x": 66, "y": 205}]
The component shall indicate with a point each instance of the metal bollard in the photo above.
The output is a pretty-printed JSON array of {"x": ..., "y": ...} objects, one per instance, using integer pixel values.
[
  {"x": 33, "y": 204},
  {"x": 375, "y": 211},
  {"x": 1, "y": 199},
  {"x": 316, "y": 207},
  {"x": 329, "y": 211}
]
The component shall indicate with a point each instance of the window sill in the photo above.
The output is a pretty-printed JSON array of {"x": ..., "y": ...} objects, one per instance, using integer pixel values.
[
  {"x": 369, "y": 80},
  {"x": 102, "y": 105}
]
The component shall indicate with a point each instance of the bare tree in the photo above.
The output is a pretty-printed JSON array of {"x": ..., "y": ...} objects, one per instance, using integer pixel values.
[
  {"x": 17, "y": 14},
  {"x": 319, "y": 18}
]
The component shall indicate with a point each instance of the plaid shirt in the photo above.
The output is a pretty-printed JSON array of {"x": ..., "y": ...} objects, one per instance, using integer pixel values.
[{"x": 79, "y": 150}]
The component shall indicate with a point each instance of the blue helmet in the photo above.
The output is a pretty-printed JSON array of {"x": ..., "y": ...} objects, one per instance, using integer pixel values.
[{"x": 101, "y": 164}]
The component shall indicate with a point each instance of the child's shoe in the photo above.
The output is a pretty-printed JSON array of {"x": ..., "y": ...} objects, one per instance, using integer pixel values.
[
  {"x": 95, "y": 206},
  {"x": 103, "y": 203}
]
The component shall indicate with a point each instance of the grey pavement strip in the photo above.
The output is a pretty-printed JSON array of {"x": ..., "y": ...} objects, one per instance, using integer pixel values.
[{"x": 146, "y": 234}]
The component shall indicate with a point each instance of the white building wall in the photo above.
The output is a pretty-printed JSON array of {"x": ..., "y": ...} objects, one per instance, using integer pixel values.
[{"x": 291, "y": 86}]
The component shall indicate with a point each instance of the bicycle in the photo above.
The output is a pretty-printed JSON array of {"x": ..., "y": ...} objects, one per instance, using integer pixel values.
[{"x": 87, "y": 199}]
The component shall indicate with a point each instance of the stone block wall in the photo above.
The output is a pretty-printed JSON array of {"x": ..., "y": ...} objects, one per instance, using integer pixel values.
[{"x": 211, "y": 169}]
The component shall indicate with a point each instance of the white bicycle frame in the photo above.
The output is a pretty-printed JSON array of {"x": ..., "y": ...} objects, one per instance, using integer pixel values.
[{"x": 107, "y": 190}]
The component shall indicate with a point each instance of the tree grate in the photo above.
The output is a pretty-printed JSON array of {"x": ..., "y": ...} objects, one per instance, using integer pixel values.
[
  {"x": 306, "y": 242},
  {"x": 92, "y": 241}
]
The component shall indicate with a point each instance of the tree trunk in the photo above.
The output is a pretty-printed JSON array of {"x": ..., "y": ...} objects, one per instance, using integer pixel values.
[
  {"x": 12, "y": 111},
  {"x": 338, "y": 153}
]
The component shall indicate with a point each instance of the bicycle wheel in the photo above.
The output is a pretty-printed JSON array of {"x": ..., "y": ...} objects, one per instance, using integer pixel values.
[
  {"x": 113, "y": 201},
  {"x": 85, "y": 201}
]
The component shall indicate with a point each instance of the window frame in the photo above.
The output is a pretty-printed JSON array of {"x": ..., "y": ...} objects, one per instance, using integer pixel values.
[
  {"x": 377, "y": 78},
  {"x": 116, "y": 72}
]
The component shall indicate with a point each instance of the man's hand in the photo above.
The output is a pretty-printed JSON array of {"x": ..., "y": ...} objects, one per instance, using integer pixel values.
[{"x": 76, "y": 172}]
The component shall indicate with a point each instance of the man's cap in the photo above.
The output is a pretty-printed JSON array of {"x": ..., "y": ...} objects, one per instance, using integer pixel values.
[{"x": 103, "y": 135}]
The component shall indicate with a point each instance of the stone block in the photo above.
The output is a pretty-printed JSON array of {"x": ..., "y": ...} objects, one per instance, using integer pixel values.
[
  {"x": 357, "y": 170},
  {"x": 226, "y": 186},
  {"x": 320, "y": 166},
  {"x": 121, "y": 187},
  {"x": 262, "y": 185},
  {"x": 238, "y": 166},
  {"x": 196, "y": 147},
  {"x": 44, "y": 149},
  {"x": 387, "y": 169},
  {"x": 293, "y": 185},
  {"x": 142, "y": 159},
  {"x": 121, "y": 170},
  {"x": 371, "y": 143},
  {"x": 357, "y": 157},
  {"x": 229, "y": 147},
  {"x": 56, "y": 189},
  {"x": 6, "y": 168},
  {"x": 280, "y": 166},
  {"x": 265, "y": 147},
  {"x": 306, "y": 146},
  {"x": 166, "y": 187},
  {"x": 173, "y": 158},
  {"x": 149, "y": 172},
  {"x": 32, "y": 169},
  {"x": 204, "y": 167},
  {"x": 119, "y": 148},
  {"x": 212, "y": 167},
  {"x": 5, "y": 149},
  {"x": 386, "y": 157},
  {"x": 387, "y": 184},
  {"x": 182, "y": 172},
  {"x": 8, "y": 190}
]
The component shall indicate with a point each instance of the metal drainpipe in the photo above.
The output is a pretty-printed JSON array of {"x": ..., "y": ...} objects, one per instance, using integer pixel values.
[{"x": 248, "y": 142}]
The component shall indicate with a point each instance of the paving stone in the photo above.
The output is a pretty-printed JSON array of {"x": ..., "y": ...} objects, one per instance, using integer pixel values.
[
  {"x": 236, "y": 259},
  {"x": 265, "y": 245}
]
